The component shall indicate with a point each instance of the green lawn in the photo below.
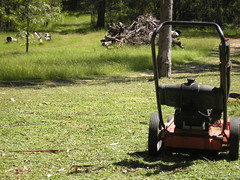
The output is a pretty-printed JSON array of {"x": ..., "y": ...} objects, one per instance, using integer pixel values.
[
  {"x": 71, "y": 109},
  {"x": 100, "y": 128}
]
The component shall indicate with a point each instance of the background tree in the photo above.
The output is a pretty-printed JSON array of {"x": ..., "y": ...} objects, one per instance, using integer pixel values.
[
  {"x": 101, "y": 9},
  {"x": 222, "y": 12},
  {"x": 25, "y": 15},
  {"x": 164, "y": 52}
]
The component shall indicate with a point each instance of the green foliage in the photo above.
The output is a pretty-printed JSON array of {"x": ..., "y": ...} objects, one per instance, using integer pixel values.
[
  {"x": 38, "y": 13},
  {"x": 18, "y": 14},
  {"x": 222, "y": 12}
]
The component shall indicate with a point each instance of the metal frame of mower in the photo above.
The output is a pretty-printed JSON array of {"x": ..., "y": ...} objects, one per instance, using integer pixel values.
[{"x": 219, "y": 134}]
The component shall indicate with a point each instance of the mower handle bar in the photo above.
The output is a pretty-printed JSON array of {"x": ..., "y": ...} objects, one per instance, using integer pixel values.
[
  {"x": 223, "y": 64},
  {"x": 188, "y": 23}
]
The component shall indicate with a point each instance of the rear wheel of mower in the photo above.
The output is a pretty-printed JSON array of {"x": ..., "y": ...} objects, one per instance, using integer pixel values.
[
  {"x": 234, "y": 138},
  {"x": 154, "y": 142}
]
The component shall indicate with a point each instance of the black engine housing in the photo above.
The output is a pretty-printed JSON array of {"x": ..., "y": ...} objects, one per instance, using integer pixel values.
[{"x": 196, "y": 105}]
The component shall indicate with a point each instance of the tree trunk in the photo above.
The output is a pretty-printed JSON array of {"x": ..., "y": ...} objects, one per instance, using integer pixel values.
[
  {"x": 101, "y": 8},
  {"x": 28, "y": 22},
  {"x": 74, "y": 5},
  {"x": 164, "y": 53}
]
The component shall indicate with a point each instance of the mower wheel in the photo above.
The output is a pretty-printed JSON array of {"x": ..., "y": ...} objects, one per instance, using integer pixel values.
[
  {"x": 154, "y": 142},
  {"x": 234, "y": 138}
]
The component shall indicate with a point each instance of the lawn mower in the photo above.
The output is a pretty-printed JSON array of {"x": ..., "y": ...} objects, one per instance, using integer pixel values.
[{"x": 200, "y": 120}]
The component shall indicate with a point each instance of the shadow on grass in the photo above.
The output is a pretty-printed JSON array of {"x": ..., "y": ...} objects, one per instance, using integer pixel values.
[
  {"x": 235, "y": 55},
  {"x": 170, "y": 160},
  {"x": 235, "y": 66},
  {"x": 141, "y": 72},
  {"x": 69, "y": 28},
  {"x": 196, "y": 67},
  {"x": 97, "y": 80},
  {"x": 140, "y": 66},
  {"x": 36, "y": 82},
  {"x": 236, "y": 63},
  {"x": 82, "y": 28}
]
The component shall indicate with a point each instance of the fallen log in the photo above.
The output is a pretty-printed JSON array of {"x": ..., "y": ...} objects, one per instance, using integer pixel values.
[
  {"x": 37, "y": 35},
  {"x": 11, "y": 39},
  {"x": 47, "y": 36}
]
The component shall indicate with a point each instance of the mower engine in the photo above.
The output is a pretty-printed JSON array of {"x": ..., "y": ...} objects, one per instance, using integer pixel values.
[
  {"x": 200, "y": 120},
  {"x": 197, "y": 106}
]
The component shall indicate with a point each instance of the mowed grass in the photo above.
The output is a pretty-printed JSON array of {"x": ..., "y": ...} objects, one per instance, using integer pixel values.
[
  {"x": 95, "y": 129},
  {"x": 98, "y": 129}
]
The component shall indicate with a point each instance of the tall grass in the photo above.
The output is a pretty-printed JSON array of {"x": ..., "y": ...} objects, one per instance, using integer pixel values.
[
  {"x": 78, "y": 55},
  {"x": 194, "y": 49}
]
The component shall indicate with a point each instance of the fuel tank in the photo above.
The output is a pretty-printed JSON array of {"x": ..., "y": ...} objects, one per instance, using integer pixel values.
[{"x": 191, "y": 95}]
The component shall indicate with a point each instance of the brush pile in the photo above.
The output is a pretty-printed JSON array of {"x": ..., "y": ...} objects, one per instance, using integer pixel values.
[{"x": 138, "y": 33}]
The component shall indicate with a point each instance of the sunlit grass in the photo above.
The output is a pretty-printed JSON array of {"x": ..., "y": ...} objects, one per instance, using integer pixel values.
[
  {"x": 100, "y": 127},
  {"x": 194, "y": 49},
  {"x": 81, "y": 55},
  {"x": 73, "y": 54}
]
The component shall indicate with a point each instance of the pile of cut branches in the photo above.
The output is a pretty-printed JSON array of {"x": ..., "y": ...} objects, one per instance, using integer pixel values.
[{"x": 139, "y": 32}]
